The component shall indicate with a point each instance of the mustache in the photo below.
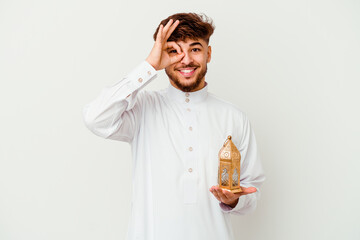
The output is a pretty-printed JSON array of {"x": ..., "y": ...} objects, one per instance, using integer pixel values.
[{"x": 188, "y": 66}]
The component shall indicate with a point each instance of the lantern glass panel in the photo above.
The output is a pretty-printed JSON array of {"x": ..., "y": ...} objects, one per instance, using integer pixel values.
[
  {"x": 225, "y": 174},
  {"x": 235, "y": 178},
  {"x": 225, "y": 177}
]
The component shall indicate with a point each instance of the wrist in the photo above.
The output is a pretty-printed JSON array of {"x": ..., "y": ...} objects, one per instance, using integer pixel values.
[
  {"x": 232, "y": 204},
  {"x": 151, "y": 63}
]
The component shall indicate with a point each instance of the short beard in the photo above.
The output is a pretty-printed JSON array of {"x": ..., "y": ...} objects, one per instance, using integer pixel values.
[{"x": 187, "y": 88}]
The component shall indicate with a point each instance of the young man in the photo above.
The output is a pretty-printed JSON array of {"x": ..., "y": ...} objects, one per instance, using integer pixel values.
[{"x": 175, "y": 135}]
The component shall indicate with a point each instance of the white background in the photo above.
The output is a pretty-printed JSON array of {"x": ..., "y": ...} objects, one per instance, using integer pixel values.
[{"x": 292, "y": 66}]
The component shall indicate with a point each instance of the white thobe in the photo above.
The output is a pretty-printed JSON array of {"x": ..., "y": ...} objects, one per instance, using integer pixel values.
[{"x": 175, "y": 139}]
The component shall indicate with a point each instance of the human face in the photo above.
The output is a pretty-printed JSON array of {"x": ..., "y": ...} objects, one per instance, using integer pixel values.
[{"x": 188, "y": 74}]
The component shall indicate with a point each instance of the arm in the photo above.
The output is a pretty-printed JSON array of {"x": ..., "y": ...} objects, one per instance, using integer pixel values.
[
  {"x": 251, "y": 177},
  {"x": 116, "y": 112}
]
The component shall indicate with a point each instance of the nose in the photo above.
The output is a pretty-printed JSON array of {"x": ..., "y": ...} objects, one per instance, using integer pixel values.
[{"x": 186, "y": 60}]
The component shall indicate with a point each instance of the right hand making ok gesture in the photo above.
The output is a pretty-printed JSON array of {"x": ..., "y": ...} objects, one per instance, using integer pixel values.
[{"x": 159, "y": 56}]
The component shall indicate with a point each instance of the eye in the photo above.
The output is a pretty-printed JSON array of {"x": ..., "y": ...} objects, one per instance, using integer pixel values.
[
  {"x": 172, "y": 51},
  {"x": 196, "y": 49}
]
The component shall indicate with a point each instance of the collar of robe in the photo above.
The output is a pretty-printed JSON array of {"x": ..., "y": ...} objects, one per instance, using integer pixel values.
[{"x": 187, "y": 97}]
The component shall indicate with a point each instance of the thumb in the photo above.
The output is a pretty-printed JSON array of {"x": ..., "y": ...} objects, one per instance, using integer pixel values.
[{"x": 248, "y": 190}]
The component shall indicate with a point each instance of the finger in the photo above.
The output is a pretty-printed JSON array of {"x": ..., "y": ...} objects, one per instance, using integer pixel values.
[
  {"x": 213, "y": 191},
  {"x": 221, "y": 195},
  {"x": 171, "y": 30},
  {"x": 158, "y": 36},
  {"x": 173, "y": 45},
  {"x": 176, "y": 58},
  {"x": 166, "y": 28},
  {"x": 230, "y": 195},
  {"x": 212, "y": 188}
]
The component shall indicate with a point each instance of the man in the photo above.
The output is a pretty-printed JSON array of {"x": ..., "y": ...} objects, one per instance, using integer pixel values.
[{"x": 175, "y": 135}]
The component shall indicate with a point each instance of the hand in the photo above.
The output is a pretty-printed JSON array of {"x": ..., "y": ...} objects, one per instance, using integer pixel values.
[
  {"x": 159, "y": 56},
  {"x": 230, "y": 198}
]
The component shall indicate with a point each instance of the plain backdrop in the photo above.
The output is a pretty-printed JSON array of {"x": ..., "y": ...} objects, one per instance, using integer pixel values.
[{"x": 292, "y": 66}]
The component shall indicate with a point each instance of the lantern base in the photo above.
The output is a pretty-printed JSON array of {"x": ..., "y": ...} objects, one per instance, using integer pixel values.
[{"x": 234, "y": 190}]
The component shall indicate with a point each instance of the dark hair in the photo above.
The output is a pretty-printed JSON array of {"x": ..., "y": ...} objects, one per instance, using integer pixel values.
[{"x": 192, "y": 26}]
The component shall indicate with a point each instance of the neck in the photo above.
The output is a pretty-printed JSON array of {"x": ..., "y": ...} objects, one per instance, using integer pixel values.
[{"x": 200, "y": 86}]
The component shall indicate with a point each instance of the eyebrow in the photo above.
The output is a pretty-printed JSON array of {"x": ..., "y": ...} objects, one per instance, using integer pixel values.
[{"x": 195, "y": 43}]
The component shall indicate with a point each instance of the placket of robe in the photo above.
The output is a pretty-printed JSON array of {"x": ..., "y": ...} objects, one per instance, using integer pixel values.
[{"x": 191, "y": 149}]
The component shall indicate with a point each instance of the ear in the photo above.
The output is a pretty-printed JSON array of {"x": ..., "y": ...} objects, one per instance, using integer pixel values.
[{"x": 208, "y": 54}]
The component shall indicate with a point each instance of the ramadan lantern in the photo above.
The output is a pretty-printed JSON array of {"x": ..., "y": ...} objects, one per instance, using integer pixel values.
[{"x": 229, "y": 167}]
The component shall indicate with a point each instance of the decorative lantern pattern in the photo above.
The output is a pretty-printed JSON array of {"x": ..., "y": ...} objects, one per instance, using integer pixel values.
[{"x": 229, "y": 167}]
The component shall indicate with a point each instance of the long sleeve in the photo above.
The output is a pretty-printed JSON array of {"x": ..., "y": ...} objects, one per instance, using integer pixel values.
[
  {"x": 251, "y": 173},
  {"x": 116, "y": 112}
]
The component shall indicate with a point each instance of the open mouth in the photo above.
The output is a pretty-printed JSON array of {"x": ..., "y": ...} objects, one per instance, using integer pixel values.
[{"x": 187, "y": 72}]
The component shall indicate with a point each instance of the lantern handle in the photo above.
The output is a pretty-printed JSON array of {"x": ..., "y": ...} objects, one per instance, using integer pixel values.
[{"x": 228, "y": 138}]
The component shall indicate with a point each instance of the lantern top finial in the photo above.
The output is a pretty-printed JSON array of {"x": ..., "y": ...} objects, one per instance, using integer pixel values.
[{"x": 229, "y": 137}]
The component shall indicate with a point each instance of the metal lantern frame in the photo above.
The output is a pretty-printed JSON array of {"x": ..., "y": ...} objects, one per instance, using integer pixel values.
[{"x": 229, "y": 167}]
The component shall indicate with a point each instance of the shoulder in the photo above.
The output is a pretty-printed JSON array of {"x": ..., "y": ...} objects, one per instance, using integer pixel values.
[
  {"x": 151, "y": 97},
  {"x": 152, "y": 94}
]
